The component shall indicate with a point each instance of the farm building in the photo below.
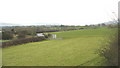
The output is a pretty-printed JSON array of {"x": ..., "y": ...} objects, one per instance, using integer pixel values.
[
  {"x": 40, "y": 35},
  {"x": 54, "y": 36}
]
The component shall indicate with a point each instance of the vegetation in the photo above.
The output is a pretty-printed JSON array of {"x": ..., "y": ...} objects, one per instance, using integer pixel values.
[
  {"x": 7, "y": 35},
  {"x": 77, "y": 48},
  {"x": 18, "y": 32},
  {"x": 110, "y": 51},
  {"x": 22, "y": 41},
  {"x": 4, "y": 40}
]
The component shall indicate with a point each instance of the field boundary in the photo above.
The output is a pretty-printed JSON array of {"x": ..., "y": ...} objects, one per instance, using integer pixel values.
[{"x": 22, "y": 41}]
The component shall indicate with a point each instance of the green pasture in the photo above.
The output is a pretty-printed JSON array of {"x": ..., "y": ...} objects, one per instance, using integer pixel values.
[
  {"x": 77, "y": 48},
  {"x": 4, "y": 40}
]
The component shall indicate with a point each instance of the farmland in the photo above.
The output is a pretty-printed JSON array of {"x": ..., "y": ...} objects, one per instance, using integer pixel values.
[
  {"x": 77, "y": 48},
  {"x": 4, "y": 40}
]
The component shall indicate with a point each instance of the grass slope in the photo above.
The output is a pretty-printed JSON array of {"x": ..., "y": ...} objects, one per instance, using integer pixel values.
[{"x": 77, "y": 48}]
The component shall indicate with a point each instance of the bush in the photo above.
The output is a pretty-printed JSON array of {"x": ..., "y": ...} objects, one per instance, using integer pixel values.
[
  {"x": 1, "y": 36},
  {"x": 22, "y": 41},
  {"x": 20, "y": 35},
  {"x": 7, "y": 35},
  {"x": 110, "y": 52},
  {"x": 49, "y": 35}
]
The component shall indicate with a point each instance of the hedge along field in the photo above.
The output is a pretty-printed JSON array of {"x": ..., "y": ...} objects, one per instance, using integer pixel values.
[
  {"x": 77, "y": 48},
  {"x": 0, "y": 57}
]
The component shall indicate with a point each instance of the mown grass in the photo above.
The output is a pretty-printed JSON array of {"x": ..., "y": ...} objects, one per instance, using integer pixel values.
[{"x": 77, "y": 48}]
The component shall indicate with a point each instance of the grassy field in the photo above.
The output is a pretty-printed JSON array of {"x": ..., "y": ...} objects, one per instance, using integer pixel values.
[
  {"x": 77, "y": 48},
  {"x": 4, "y": 40}
]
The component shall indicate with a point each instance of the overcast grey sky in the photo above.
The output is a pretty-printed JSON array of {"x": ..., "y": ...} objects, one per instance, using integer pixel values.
[{"x": 66, "y": 12}]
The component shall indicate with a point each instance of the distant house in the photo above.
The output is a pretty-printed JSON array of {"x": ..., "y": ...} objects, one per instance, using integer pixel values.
[{"x": 40, "y": 35}]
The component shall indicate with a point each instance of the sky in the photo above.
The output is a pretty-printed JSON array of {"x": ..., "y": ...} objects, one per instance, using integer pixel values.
[{"x": 66, "y": 12}]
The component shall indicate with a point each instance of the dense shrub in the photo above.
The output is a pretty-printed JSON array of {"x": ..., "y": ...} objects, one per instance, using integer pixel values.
[
  {"x": 110, "y": 52},
  {"x": 49, "y": 35},
  {"x": 21, "y": 35},
  {"x": 45, "y": 35},
  {"x": 22, "y": 41},
  {"x": 1, "y": 36},
  {"x": 7, "y": 35}
]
